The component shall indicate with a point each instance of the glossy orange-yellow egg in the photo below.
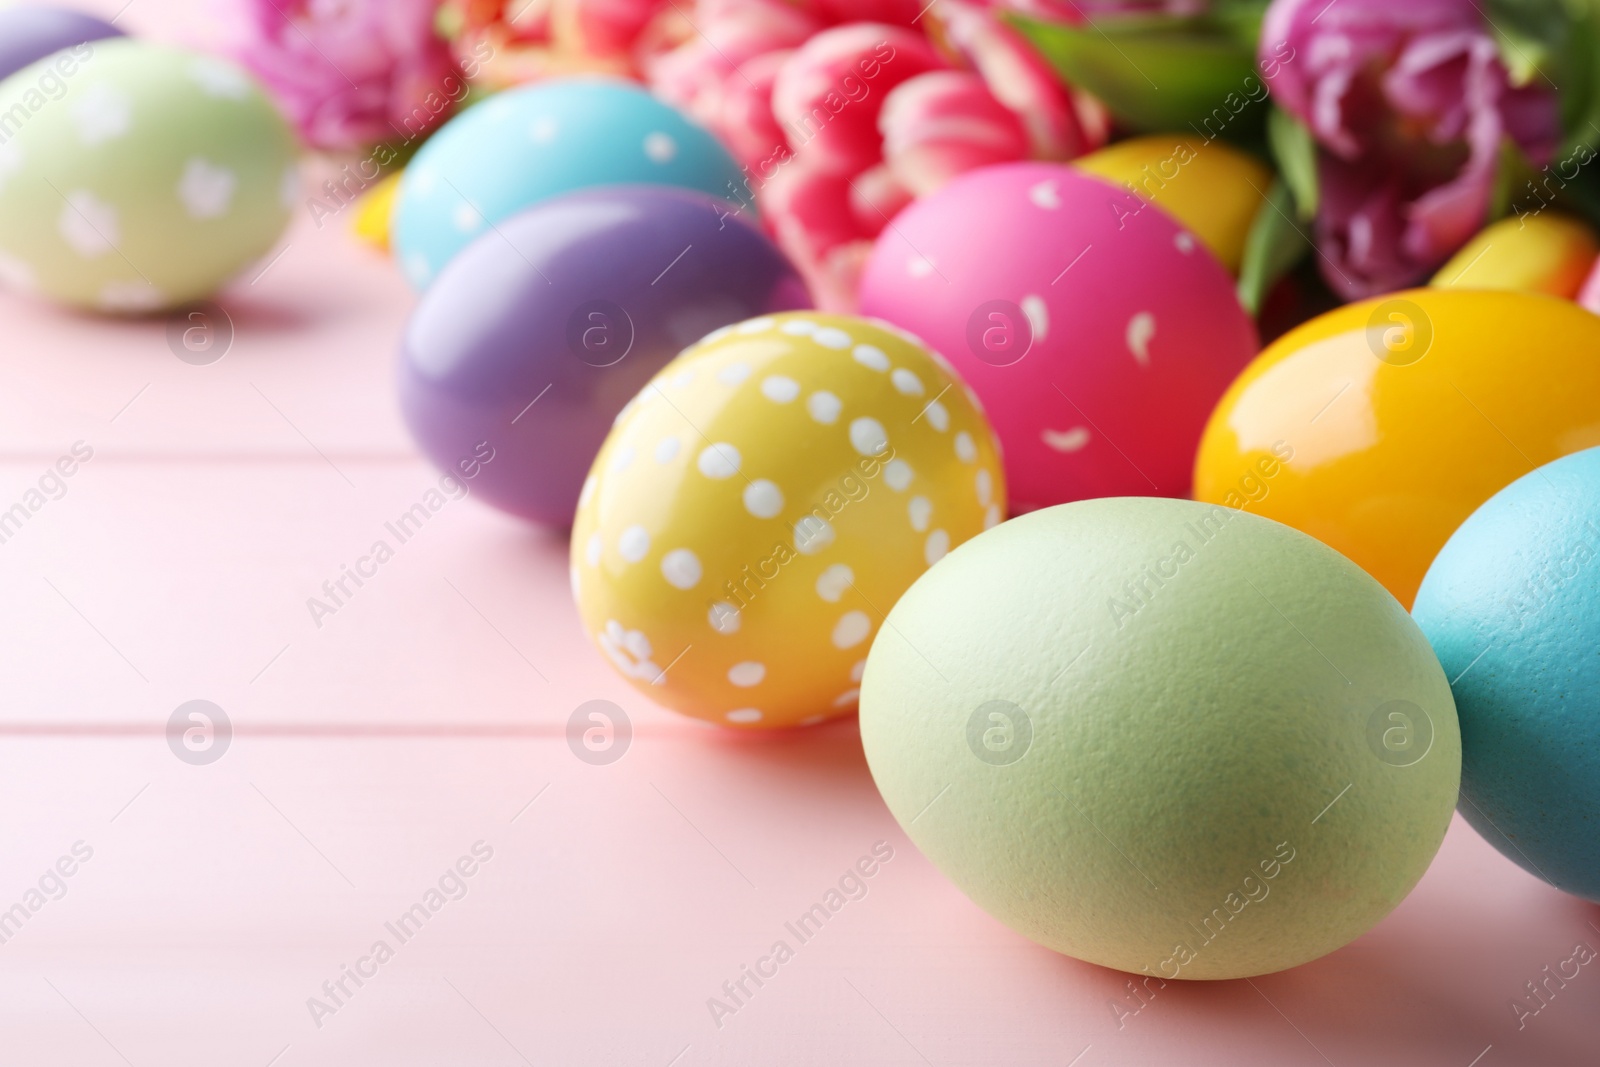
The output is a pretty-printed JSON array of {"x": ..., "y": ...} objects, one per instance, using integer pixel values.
[
  {"x": 1545, "y": 253},
  {"x": 1380, "y": 426},
  {"x": 1215, "y": 191}
]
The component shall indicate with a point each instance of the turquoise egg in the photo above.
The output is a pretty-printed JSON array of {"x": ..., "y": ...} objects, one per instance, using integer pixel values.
[
  {"x": 529, "y": 144},
  {"x": 1512, "y": 607}
]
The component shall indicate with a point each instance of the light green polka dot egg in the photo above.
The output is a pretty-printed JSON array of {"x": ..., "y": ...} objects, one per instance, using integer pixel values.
[
  {"x": 1163, "y": 736},
  {"x": 763, "y": 501},
  {"x": 139, "y": 177}
]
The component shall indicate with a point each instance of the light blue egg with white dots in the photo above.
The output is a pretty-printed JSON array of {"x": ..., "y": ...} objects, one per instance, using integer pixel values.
[
  {"x": 529, "y": 144},
  {"x": 1512, "y": 607}
]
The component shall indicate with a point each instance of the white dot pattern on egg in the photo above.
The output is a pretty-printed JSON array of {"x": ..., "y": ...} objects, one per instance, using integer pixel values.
[
  {"x": 871, "y": 356},
  {"x": 89, "y": 225},
  {"x": 906, "y": 381},
  {"x": 746, "y": 674},
  {"x": 16, "y": 274},
  {"x": 808, "y": 482},
  {"x": 681, "y": 568},
  {"x": 834, "y": 582},
  {"x": 824, "y": 406},
  {"x": 10, "y": 161},
  {"x": 763, "y": 499},
  {"x": 719, "y": 461},
  {"x": 851, "y": 629},
  {"x": 206, "y": 189},
  {"x": 103, "y": 113},
  {"x": 660, "y": 147},
  {"x": 466, "y": 218},
  {"x": 218, "y": 79},
  {"x": 634, "y": 544},
  {"x": 779, "y": 389}
]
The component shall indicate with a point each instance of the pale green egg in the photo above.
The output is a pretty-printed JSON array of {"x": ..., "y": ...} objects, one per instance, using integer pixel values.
[
  {"x": 1163, "y": 736},
  {"x": 136, "y": 177}
]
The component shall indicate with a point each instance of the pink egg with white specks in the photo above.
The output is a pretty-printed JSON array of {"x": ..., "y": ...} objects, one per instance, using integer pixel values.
[{"x": 1096, "y": 331}]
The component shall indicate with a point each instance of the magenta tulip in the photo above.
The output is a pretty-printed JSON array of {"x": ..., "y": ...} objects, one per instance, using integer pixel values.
[
  {"x": 352, "y": 73},
  {"x": 1409, "y": 104}
]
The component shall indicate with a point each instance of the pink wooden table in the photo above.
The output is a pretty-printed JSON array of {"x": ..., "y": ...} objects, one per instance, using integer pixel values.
[{"x": 423, "y": 727}]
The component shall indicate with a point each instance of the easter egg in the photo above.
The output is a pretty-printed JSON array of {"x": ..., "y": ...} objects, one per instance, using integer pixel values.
[
  {"x": 152, "y": 178},
  {"x": 1512, "y": 606},
  {"x": 1096, "y": 330},
  {"x": 517, "y": 360},
  {"x": 762, "y": 502},
  {"x": 1211, "y": 188},
  {"x": 1380, "y": 426},
  {"x": 373, "y": 212},
  {"x": 1163, "y": 736},
  {"x": 1543, "y": 253},
  {"x": 526, "y": 145},
  {"x": 29, "y": 32}
]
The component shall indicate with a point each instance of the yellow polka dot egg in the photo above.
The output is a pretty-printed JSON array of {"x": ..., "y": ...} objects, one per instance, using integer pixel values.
[{"x": 761, "y": 504}]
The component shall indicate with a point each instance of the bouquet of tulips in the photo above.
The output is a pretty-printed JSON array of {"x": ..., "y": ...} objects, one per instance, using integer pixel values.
[{"x": 1376, "y": 144}]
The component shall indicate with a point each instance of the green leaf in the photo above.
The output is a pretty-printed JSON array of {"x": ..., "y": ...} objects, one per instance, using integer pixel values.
[
  {"x": 1512, "y": 173},
  {"x": 1554, "y": 45},
  {"x": 1529, "y": 34},
  {"x": 1275, "y": 245},
  {"x": 1241, "y": 17},
  {"x": 1294, "y": 149},
  {"x": 1160, "y": 74},
  {"x": 1579, "y": 78}
]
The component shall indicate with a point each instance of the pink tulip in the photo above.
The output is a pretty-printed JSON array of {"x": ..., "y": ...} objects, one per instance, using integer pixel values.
[
  {"x": 829, "y": 93},
  {"x": 898, "y": 12},
  {"x": 1021, "y": 80},
  {"x": 743, "y": 108},
  {"x": 600, "y": 27},
  {"x": 505, "y": 43},
  {"x": 842, "y": 111},
  {"x": 817, "y": 224},
  {"x": 351, "y": 73},
  {"x": 944, "y": 123},
  {"x": 876, "y": 195},
  {"x": 725, "y": 35},
  {"x": 1082, "y": 12},
  {"x": 1409, "y": 103},
  {"x": 723, "y": 75}
]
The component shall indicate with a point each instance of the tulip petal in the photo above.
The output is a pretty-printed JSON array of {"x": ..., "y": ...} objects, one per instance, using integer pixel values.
[
  {"x": 944, "y": 123},
  {"x": 1410, "y": 104},
  {"x": 876, "y": 196},
  {"x": 828, "y": 95},
  {"x": 1019, "y": 78}
]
